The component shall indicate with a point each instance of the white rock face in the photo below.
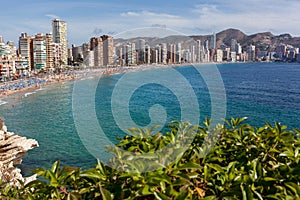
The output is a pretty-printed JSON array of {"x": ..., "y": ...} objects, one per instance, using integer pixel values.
[{"x": 12, "y": 149}]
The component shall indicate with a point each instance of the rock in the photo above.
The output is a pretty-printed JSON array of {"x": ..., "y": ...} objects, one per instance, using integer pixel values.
[
  {"x": 4, "y": 128},
  {"x": 12, "y": 149}
]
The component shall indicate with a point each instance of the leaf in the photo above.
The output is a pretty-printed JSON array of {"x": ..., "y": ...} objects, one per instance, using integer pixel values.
[
  {"x": 258, "y": 195},
  {"x": 269, "y": 179},
  {"x": 146, "y": 190},
  {"x": 216, "y": 167},
  {"x": 53, "y": 179},
  {"x": 294, "y": 187},
  {"x": 55, "y": 167},
  {"x": 181, "y": 196},
  {"x": 106, "y": 195},
  {"x": 244, "y": 194},
  {"x": 73, "y": 196},
  {"x": 210, "y": 198},
  {"x": 190, "y": 165},
  {"x": 160, "y": 196}
]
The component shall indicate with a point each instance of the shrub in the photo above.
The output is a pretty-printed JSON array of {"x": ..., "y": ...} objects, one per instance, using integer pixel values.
[{"x": 239, "y": 162}]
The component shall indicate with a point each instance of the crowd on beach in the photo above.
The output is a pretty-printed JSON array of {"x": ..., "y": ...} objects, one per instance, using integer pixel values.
[
  {"x": 42, "y": 79},
  {"x": 39, "y": 80},
  {"x": 35, "y": 81}
]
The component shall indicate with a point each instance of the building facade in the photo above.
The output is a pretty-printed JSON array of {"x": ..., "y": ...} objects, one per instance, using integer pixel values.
[{"x": 59, "y": 31}]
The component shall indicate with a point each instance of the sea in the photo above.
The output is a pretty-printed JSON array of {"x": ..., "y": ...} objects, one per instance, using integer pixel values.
[{"x": 72, "y": 120}]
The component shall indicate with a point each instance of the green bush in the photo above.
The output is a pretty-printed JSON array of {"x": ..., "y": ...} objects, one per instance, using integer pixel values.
[{"x": 231, "y": 161}]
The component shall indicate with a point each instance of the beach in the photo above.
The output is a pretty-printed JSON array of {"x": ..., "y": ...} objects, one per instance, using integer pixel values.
[
  {"x": 33, "y": 82},
  {"x": 25, "y": 84}
]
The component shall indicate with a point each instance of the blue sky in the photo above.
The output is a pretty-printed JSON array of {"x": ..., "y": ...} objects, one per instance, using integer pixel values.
[{"x": 88, "y": 18}]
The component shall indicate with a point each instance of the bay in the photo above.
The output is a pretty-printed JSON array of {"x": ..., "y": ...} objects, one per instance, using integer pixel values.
[{"x": 261, "y": 91}]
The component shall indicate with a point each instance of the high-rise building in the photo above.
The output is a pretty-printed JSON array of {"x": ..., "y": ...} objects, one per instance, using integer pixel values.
[
  {"x": 281, "y": 51},
  {"x": 59, "y": 31},
  {"x": 96, "y": 45},
  {"x": 164, "y": 52},
  {"x": 171, "y": 55},
  {"x": 251, "y": 53},
  {"x": 213, "y": 41},
  {"x": 238, "y": 48},
  {"x": 141, "y": 50},
  {"x": 158, "y": 58},
  {"x": 178, "y": 55},
  {"x": 39, "y": 52},
  {"x": 154, "y": 55},
  {"x": 199, "y": 53},
  {"x": 206, "y": 51},
  {"x": 233, "y": 45},
  {"x": 108, "y": 50},
  {"x": 57, "y": 53},
  {"x": 219, "y": 55},
  {"x": 49, "y": 52},
  {"x": 233, "y": 56},
  {"x": 193, "y": 54},
  {"x": 103, "y": 48},
  {"x": 76, "y": 52},
  {"x": 26, "y": 48},
  {"x": 130, "y": 54},
  {"x": 147, "y": 54}
]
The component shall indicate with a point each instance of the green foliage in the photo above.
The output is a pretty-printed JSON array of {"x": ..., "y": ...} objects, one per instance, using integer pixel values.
[{"x": 234, "y": 161}]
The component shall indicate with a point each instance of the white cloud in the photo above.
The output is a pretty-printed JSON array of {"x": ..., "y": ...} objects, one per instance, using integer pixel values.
[
  {"x": 250, "y": 16},
  {"x": 279, "y": 16},
  {"x": 130, "y": 14},
  {"x": 52, "y": 16}
]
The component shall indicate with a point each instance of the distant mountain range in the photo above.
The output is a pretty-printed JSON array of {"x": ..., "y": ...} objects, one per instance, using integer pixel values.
[{"x": 264, "y": 41}]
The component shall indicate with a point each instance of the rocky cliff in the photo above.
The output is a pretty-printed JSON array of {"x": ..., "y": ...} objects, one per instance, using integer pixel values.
[{"x": 12, "y": 149}]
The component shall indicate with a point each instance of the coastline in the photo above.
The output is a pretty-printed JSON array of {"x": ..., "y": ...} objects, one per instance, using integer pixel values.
[{"x": 30, "y": 84}]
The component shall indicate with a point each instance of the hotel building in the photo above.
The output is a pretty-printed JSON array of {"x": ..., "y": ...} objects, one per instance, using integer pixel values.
[{"x": 59, "y": 31}]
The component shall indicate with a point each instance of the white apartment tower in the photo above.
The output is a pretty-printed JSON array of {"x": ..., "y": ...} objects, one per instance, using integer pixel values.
[{"x": 59, "y": 31}]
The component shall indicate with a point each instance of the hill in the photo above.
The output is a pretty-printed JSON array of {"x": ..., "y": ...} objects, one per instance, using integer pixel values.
[{"x": 264, "y": 40}]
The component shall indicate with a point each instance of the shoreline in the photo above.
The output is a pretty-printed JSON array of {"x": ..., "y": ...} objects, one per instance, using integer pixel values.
[{"x": 30, "y": 84}]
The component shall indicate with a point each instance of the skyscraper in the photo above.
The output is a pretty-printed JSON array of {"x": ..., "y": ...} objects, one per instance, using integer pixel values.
[
  {"x": 96, "y": 45},
  {"x": 103, "y": 48},
  {"x": 130, "y": 54},
  {"x": 39, "y": 52},
  {"x": 26, "y": 48},
  {"x": 233, "y": 45},
  {"x": 199, "y": 52},
  {"x": 141, "y": 51},
  {"x": 213, "y": 41},
  {"x": 178, "y": 56},
  {"x": 49, "y": 50},
  {"x": 108, "y": 50},
  {"x": 59, "y": 31}
]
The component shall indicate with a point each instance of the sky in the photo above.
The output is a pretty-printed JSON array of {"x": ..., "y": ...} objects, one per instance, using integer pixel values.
[{"x": 89, "y": 18}]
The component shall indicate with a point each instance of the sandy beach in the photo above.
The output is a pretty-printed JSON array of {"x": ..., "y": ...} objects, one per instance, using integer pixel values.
[
  {"x": 22, "y": 85},
  {"x": 26, "y": 84}
]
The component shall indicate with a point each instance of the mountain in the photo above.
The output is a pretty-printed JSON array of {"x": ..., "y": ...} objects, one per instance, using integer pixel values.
[
  {"x": 225, "y": 37},
  {"x": 264, "y": 40}
]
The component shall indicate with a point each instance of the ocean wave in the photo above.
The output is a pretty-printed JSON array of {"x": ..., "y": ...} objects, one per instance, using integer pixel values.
[
  {"x": 2, "y": 102},
  {"x": 29, "y": 93},
  {"x": 41, "y": 88}
]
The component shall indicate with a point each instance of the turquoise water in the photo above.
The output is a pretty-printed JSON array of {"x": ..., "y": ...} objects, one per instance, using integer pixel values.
[{"x": 260, "y": 91}]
